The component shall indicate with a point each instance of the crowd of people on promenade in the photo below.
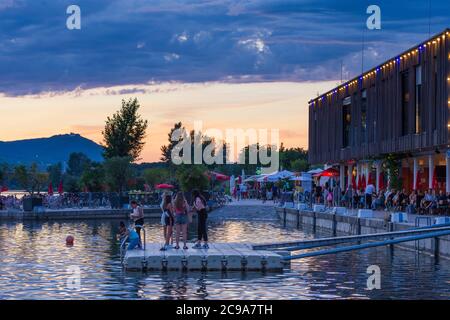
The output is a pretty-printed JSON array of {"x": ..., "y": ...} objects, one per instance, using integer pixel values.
[
  {"x": 176, "y": 215},
  {"x": 265, "y": 191},
  {"x": 9, "y": 201},
  {"x": 417, "y": 201}
]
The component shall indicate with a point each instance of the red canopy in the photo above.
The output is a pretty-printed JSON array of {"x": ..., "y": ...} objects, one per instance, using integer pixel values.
[
  {"x": 219, "y": 176},
  {"x": 416, "y": 187},
  {"x": 434, "y": 183},
  {"x": 363, "y": 182},
  {"x": 371, "y": 178},
  {"x": 3, "y": 189},
  {"x": 164, "y": 186},
  {"x": 330, "y": 172},
  {"x": 353, "y": 181},
  {"x": 60, "y": 188},
  {"x": 381, "y": 181},
  {"x": 50, "y": 189}
]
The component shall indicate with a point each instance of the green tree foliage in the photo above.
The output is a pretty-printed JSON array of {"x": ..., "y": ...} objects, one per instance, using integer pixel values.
[
  {"x": 77, "y": 163},
  {"x": 93, "y": 177},
  {"x": 392, "y": 165},
  {"x": 166, "y": 150},
  {"x": 5, "y": 173},
  {"x": 288, "y": 156},
  {"x": 124, "y": 132},
  {"x": 118, "y": 171},
  {"x": 299, "y": 165},
  {"x": 30, "y": 179},
  {"x": 55, "y": 173},
  {"x": 155, "y": 176},
  {"x": 250, "y": 164},
  {"x": 192, "y": 177},
  {"x": 21, "y": 177},
  {"x": 71, "y": 184}
]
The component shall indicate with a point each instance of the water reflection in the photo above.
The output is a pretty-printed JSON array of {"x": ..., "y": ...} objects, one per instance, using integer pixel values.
[{"x": 34, "y": 261}]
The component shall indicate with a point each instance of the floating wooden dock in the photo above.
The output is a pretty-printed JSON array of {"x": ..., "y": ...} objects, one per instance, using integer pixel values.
[{"x": 220, "y": 256}]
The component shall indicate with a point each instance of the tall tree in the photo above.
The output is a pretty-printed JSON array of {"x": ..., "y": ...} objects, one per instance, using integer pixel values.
[
  {"x": 77, "y": 163},
  {"x": 118, "y": 171},
  {"x": 166, "y": 151},
  {"x": 155, "y": 176},
  {"x": 192, "y": 177},
  {"x": 93, "y": 177},
  {"x": 30, "y": 179},
  {"x": 55, "y": 173},
  {"x": 124, "y": 132}
]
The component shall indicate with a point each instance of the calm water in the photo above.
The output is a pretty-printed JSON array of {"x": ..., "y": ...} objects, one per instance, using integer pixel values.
[{"x": 34, "y": 261}]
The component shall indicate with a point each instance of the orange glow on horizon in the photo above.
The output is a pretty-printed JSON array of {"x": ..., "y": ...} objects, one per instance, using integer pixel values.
[{"x": 278, "y": 105}]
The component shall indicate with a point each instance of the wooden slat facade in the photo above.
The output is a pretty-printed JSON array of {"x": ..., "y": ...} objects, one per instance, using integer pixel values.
[{"x": 389, "y": 130}]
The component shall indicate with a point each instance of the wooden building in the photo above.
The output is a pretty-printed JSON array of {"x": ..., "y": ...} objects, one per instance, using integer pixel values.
[{"x": 400, "y": 107}]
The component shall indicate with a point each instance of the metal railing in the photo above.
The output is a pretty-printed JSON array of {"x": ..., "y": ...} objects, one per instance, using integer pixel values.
[{"x": 369, "y": 245}]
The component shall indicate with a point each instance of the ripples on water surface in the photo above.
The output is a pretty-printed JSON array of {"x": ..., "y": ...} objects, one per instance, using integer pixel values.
[{"x": 34, "y": 261}]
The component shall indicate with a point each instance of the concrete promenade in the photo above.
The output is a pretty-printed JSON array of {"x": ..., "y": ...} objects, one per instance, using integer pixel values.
[{"x": 351, "y": 224}]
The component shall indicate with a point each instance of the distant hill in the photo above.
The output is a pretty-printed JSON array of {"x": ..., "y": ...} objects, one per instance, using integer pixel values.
[{"x": 46, "y": 151}]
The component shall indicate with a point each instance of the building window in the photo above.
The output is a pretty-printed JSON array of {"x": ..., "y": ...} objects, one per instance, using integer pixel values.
[
  {"x": 364, "y": 116},
  {"x": 418, "y": 98},
  {"x": 405, "y": 102},
  {"x": 346, "y": 122}
]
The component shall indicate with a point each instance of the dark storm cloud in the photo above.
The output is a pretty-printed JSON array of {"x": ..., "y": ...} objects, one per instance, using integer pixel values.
[{"x": 137, "y": 41}]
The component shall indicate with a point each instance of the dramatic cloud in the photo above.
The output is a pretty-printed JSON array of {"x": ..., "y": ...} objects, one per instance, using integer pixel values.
[{"x": 141, "y": 41}]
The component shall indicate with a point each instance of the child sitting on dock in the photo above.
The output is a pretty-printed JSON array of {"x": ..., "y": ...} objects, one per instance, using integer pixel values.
[{"x": 128, "y": 234}]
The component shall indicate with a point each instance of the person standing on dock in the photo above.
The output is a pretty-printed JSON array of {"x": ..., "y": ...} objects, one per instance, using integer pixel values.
[
  {"x": 181, "y": 209},
  {"x": 370, "y": 190},
  {"x": 138, "y": 218},
  {"x": 202, "y": 215},
  {"x": 167, "y": 220}
]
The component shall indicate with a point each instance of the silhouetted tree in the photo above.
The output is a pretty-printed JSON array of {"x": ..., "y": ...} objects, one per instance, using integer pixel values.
[{"x": 124, "y": 132}]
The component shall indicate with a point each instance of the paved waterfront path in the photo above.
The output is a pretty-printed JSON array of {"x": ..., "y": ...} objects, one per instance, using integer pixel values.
[{"x": 247, "y": 210}]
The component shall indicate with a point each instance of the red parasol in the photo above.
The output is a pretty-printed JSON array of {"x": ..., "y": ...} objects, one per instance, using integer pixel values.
[
  {"x": 50, "y": 189},
  {"x": 330, "y": 172},
  {"x": 219, "y": 176},
  {"x": 60, "y": 188},
  {"x": 3, "y": 189},
  {"x": 164, "y": 186}
]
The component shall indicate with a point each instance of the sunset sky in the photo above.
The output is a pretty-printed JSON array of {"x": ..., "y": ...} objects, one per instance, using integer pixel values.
[{"x": 229, "y": 63}]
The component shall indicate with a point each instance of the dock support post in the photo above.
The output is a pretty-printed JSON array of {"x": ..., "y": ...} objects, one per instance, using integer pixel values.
[
  {"x": 358, "y": 226},
  {"x": 390, "y": 227},
  {"x": 436, "y": 249},
  {"x": 298, "y": 219},
  {"x": 334, "y": 225},
  {"x": 284, "y": 217},
  {"x": 314, "y": 222}
]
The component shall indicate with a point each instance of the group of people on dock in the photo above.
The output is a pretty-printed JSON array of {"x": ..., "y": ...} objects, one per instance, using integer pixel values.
[{"x": 176, "y": 216}]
